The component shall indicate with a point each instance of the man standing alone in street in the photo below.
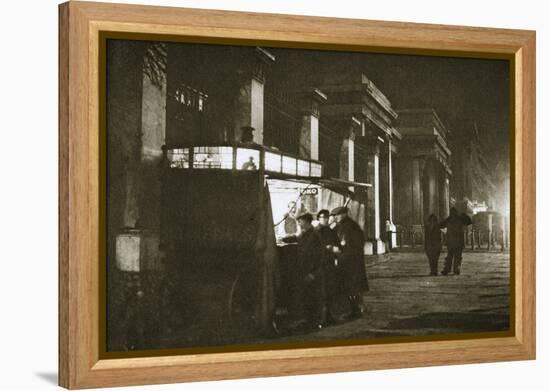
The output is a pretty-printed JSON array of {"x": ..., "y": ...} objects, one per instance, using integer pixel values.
[
  {"x": 351, "y": 259},
  {"x": 455, "y": 224}
]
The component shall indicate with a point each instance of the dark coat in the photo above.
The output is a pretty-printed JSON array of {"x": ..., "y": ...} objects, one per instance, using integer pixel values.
[
  {"x": 310, "y": 253},
  {"x": 432, "y": 238},
  {"x": 307, "y": 295},
  {"x": 455, "y": 230},
  {"x": 333, "y": 277},
  {"x": 328, "y": 235},
  {"x": 352, "y": 261}
]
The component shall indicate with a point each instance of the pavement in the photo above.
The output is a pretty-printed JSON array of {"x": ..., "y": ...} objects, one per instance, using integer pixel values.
[{"x": 405, "y": 301}]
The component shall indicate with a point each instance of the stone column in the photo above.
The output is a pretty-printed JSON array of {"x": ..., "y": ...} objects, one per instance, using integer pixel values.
[
  {"x": 249, "y": 110},
  {"x": 372, "y": 227},
  {"x": 384, "y": 187},
  {"x": 347, "y": 149},
  {"x": 347, "y": 159},
  {"x": 410, "y": 192},
  {"x": 404, "y": 191},
  {"x": 430, "y": 189},
  {"x": 137, "y": 129},
  {"x": 309, "y": 131},
  {"x": 417, "y": 191},
  {"x": 137, "y": 242},
  {"x": 386, "y": 190},
  {"x": 443, "y": 193},
  {"x": 153, "y": 136},
  {"x": 390, "y": 182}
]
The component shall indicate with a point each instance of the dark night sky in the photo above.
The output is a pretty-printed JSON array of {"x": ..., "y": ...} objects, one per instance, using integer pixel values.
[{"x": 461, "y": 90}]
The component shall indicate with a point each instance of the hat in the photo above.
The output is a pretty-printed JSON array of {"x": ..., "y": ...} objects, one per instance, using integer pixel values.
[
  {"x": 305, "y": 216},
  {"x": 323, "y": 213},
  {"x": 339, "y": 210}
]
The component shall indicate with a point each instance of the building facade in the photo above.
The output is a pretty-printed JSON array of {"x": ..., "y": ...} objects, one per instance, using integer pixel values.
[
  {"x": 328, "y": 111},
  {"x": 423, "y": 168}
]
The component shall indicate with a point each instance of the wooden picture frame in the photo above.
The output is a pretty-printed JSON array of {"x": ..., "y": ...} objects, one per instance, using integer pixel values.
[{"x": 80, "y": 191}]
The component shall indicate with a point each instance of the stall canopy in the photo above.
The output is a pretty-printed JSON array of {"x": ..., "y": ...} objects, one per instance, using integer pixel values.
[
  {"x": 331, "y": 193},
  {"x": 338, "y": 192}
]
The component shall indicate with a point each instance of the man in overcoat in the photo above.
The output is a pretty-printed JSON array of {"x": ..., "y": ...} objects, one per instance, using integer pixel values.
[
  {"x": 455, "y": 224},
  {"x": 351, "y": 259}
]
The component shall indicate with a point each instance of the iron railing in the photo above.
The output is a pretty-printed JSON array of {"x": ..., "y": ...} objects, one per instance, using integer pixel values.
[{"x": 474, "y": 238}]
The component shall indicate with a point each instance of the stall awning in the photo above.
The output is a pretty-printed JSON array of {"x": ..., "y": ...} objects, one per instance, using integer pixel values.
[
  {"x": 341, "y": 186},
  {"x": 335, "y": 182},
  {"x": 346, "y": 188}
]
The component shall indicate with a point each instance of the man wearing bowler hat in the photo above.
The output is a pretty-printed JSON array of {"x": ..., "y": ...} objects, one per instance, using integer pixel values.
[{"x": 351, "y": 259}]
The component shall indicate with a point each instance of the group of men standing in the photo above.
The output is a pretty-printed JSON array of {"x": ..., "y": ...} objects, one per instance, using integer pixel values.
[{"x": 330, "y": 266}]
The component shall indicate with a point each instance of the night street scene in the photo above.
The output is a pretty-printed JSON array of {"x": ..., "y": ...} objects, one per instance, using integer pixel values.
[{"x": 262, "y": 196}]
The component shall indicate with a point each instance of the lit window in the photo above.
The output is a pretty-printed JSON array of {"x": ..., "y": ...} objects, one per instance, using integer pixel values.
[
  {"x": 213, "y": 157},
  {"x": 303, "y": 168},
  {"x": 178, "y": 158},
  {"x": 248, "y": 159},
  {"x": 272, "y": 162},
  {"x": 289, "y": 165},
  {"x": 316, "y": 170}
]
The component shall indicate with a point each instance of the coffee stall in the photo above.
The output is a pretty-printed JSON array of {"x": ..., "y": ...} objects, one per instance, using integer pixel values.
[{"x": 225, "y": 210}]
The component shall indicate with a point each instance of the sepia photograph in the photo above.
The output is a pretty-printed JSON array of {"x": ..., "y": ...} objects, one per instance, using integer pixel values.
[{"x": 271, "y": 197}]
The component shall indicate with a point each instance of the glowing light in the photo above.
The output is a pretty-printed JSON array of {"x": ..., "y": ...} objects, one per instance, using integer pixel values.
[
  {"x": 303, "y": 168},
  {"x": 272, "y": 162},
  {"x": 289, "y": 165},
  {"x": 213, "y": 157},
  {"x": 248, "y": 159},
  {"x": 179, "y": 158},
  {"x": 316, "y": 170}
]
